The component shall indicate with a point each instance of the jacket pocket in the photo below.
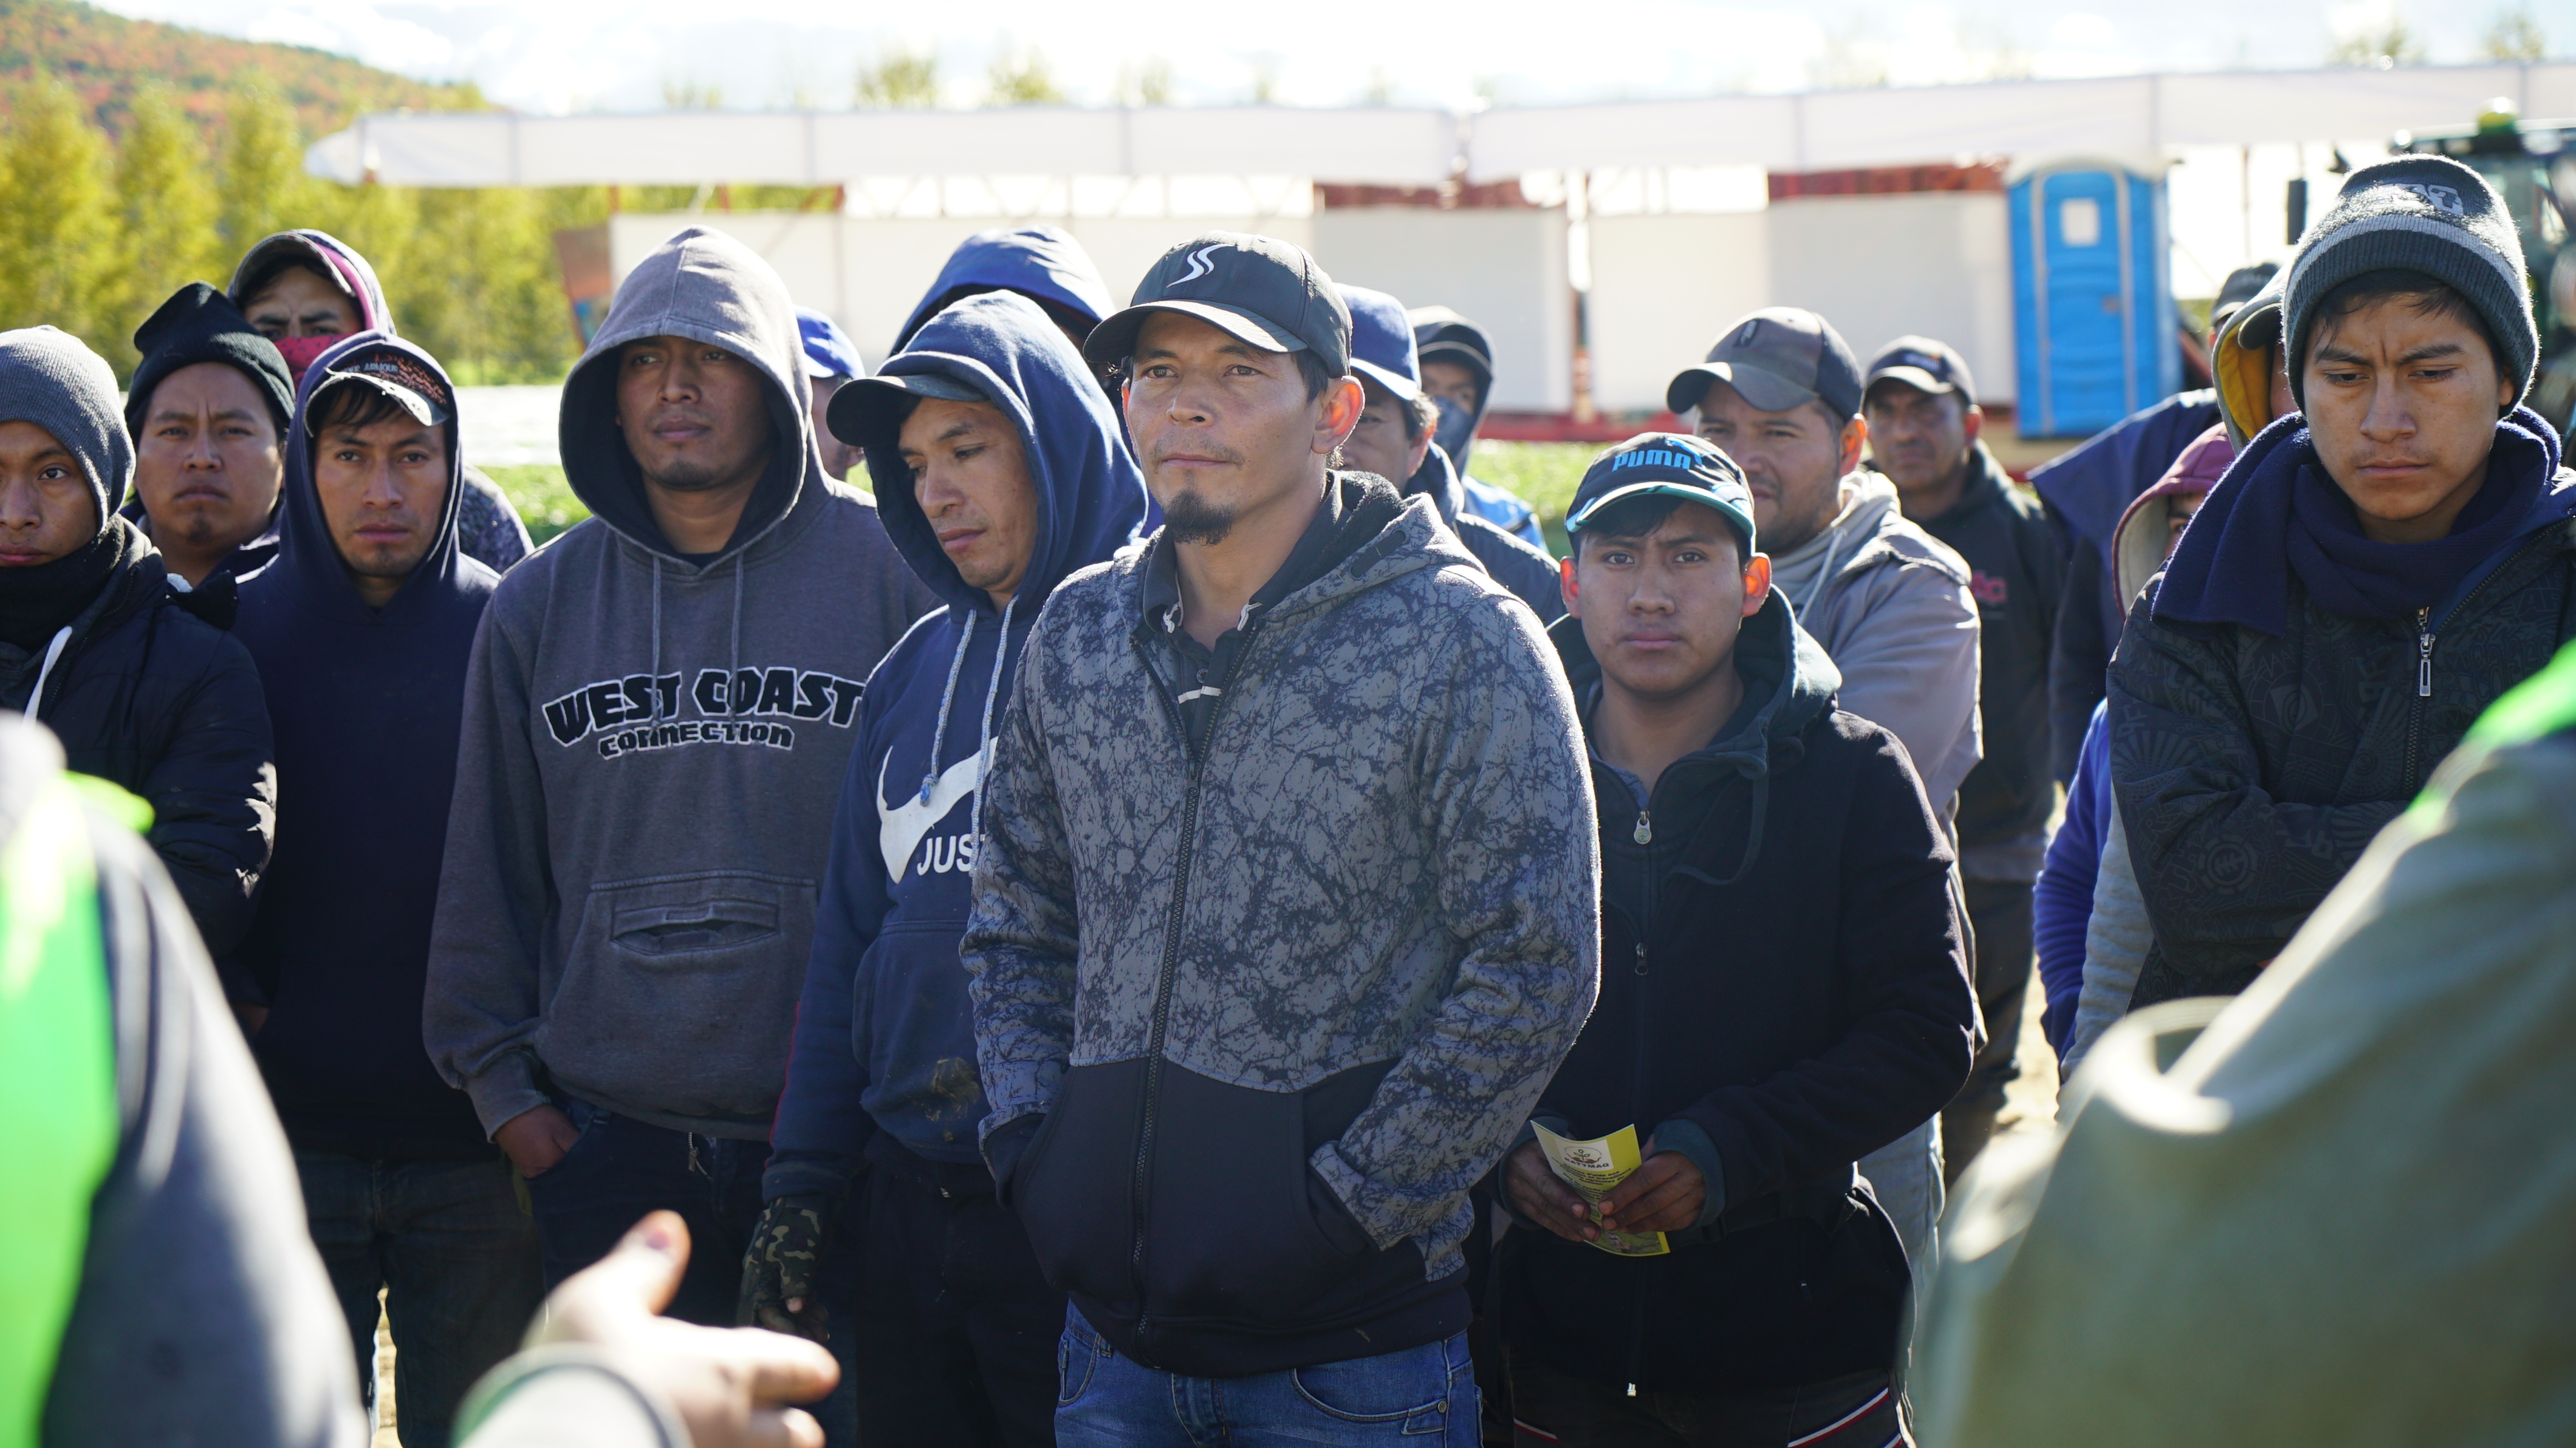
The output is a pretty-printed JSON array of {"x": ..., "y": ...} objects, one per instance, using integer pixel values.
[
  {"x": 1232, "y": 1235},
  {"x": 699, "y": 969},
  {"x": 1074, "y": 1184}
]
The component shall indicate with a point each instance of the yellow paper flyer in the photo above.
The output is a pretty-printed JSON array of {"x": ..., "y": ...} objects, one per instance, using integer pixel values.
[{"x": 1592, "y": 1168}]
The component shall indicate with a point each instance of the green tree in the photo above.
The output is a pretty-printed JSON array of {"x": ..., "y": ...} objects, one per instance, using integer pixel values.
[
  {"x": 2383, "y": 39},
  {"x": 1148, "y": 84},
  {"x": 901, "y": 80},
  {"x": 166, "y": 209},
  {"x": 2514, "y": 34},
  {"x": 265, "y": 189},
  {"x": 59, "y": 227},
  {"x": 1021, "y": 78}
]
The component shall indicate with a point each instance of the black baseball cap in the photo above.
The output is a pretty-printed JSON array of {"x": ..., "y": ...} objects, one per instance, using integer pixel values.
[
  {"x": 1665, "y": 464},
  {"x": 1259, "y": 289},
  {"x": 1776, "y": 358},
  {"x": 1923, "y": 364},
  {"x": 395, "y": 373},
  {"x": 864, "y": 405}
]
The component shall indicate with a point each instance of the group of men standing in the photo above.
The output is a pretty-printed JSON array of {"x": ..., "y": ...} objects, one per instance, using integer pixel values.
[{"x": 1108, "y": 933}]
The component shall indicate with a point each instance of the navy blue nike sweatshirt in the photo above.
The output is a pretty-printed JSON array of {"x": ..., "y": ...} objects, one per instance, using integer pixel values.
[
  {"x": 1038, "y": 261},
  {"x": 883, "y": 1036},
  {"x": 365, "y": 703}
]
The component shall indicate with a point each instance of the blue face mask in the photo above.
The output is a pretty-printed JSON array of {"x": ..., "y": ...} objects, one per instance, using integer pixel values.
[{"x": 1457, "y": 429}]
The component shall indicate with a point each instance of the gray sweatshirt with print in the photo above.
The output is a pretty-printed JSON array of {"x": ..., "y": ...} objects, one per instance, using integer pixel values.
[{"x": 652, "y": 748}]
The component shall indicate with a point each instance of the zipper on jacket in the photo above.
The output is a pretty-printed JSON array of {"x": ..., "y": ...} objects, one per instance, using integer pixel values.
[
  {"x": 1171, "y": 952},
  {"x": 1640, "y": 1054},
  {"x": 2424, "y": 641}
]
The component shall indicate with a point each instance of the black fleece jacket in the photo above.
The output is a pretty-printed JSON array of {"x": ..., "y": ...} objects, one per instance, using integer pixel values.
[{"x": 1791, "y": 982}]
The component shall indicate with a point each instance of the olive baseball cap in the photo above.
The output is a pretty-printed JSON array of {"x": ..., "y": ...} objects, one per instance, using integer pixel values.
[
  {"x": 1258, "y": 289},
  {"x": 1776, "y": 359},
  {"x": 1665, "y": 464}
]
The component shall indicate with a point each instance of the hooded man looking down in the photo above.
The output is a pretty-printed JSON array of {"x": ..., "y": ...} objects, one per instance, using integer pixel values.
[
  {"x": 999, "y": 470},
  {"x": 658, "y": 715},
  {"x": 1393, "y": 440},
  {"x": 208, "y": 412},
  {"x": 1790, "y": 994},
  {"x": 305, "y": 290},
  {"x": 1780, "y": 394},
  {"x": 95, "y": 644},
  {"x": 1285, "y": 907},
  {"x": 2365, "y": 580},
  {"x": 362, "y": 629}
]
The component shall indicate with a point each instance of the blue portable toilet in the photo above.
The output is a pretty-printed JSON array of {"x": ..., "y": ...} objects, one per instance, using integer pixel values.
[{"x": 2093, "y": 313}]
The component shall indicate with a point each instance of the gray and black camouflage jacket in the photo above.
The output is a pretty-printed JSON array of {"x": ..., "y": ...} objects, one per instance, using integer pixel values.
[{"x": 1280, "y": 1003}]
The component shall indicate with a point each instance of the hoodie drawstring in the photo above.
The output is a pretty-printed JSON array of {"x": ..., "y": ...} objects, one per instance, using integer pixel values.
[
  {"x": 984, "y": 733},
  {"x": 733, "y": 664},
  {"x": 53, "y": 653},
  {"x": 657, "y": 627},
  {"x": 947, "y": 695},
  {"x": 1753, "y": 831}
]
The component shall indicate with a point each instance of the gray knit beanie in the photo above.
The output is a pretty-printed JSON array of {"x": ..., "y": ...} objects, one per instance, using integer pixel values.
[{"x": 2427, "y": 214}]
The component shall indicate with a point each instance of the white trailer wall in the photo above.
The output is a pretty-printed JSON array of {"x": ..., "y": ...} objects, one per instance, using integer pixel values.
[
  {"x": 869, "y": 273},
  {"x": 1664, "y": 286},
  {"x": 1502, "y": 268}
]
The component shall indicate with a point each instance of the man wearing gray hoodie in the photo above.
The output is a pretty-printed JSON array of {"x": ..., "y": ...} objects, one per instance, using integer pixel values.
[
  {"x": 1781, "y": 394},
  {"x": 658, "y": 713}
]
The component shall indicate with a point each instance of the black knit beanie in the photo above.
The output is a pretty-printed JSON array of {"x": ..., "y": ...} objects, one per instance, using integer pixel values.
[
  {"x": 2427, "y": 214},
  {"x": 201, "y": 324}
]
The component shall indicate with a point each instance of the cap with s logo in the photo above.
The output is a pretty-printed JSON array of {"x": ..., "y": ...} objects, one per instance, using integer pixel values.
[{"x": 1257, "y": 289}]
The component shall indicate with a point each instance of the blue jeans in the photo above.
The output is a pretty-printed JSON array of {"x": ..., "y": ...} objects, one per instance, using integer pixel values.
[
  {"x": 619, "y": 1169},
  {"x": 456, "y": 1257},
  {"x": 1423, "y": 1396}
]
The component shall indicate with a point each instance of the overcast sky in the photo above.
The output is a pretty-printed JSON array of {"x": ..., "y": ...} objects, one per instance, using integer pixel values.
[{"x": 557, "y": 56}]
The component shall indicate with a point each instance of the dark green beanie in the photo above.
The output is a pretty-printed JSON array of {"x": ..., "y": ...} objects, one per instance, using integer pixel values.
[{"x": 2427, "y": 214}]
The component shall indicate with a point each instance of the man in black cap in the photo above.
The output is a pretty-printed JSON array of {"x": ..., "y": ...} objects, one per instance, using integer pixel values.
[
  {"x": 1790, "y": 995},
  {"x": 1921, "y": 407},
  {"x": 1287, "y": 902},
  {"x": 207, "y": 409},
  {"x": 1780, "y": 393},
  {"x": 1394, "y": 441}
]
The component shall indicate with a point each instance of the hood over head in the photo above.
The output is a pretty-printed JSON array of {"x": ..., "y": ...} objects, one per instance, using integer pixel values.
[
  {"x": 1038, "y": 261},
  {"x": 2242, "y": 359},
  {"x": 50, "y": 378},
  {"x": 1002, "y": 349},
  {"x": 1441, "y": 335},
  {"x": 200, "y": 324},
  {"x": 308, "y": 566},
  {"x": 334, "y": 259},
  {"x": 2138, "y": 545},
  {"x": 704, "y": 286}
]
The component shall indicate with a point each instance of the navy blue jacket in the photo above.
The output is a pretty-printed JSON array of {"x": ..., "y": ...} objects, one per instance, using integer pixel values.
[
  {"x": 1037, "y": 261},
  {"x": 366, "y": 704},
  {"x": 883, "y": 1037}
]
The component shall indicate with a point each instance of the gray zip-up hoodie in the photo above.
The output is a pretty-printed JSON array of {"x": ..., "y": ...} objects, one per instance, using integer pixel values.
[
  {"x": 1283, "y": 997},
  {"x": 651, "y": 751}
]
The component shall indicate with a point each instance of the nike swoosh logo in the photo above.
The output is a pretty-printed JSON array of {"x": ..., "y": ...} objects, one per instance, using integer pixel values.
[{"x": 900, "y": 827}]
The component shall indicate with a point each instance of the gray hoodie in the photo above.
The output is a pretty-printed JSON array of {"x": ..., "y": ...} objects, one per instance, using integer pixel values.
[
  {"x": 1890, "y": 604},
  {"x": 651, "y": 751}
]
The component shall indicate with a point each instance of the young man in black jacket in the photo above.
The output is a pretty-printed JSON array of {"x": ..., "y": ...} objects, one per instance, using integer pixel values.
[
  {"x": 1921, "y": 405},
  {"x": 141, "y": 683},
  {"x": 1784, "y": 990}
]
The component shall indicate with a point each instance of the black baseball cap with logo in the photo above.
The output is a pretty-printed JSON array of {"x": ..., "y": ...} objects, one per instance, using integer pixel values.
[
  {"x": 1776, "y": 359},
  {"x": 395, "y": 373},
  {"x": 1669, "y": 465},
  {"x": 1259, "y": 289},
  {"x": 1924, "y": 365}
]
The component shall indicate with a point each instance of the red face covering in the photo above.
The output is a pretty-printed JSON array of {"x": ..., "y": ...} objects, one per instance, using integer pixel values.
[{"x": 302, "y": 352}]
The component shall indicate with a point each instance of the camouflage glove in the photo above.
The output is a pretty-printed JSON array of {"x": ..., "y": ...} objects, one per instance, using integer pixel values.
[{"x": 778, "y": 1273}]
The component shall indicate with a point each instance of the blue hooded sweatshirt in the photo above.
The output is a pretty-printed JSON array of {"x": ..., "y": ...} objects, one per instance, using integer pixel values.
[
  {"x": 1035, "y": 261},
  {"x": 366, "y": 704},
  {"x": 883, "y": 1034}
]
